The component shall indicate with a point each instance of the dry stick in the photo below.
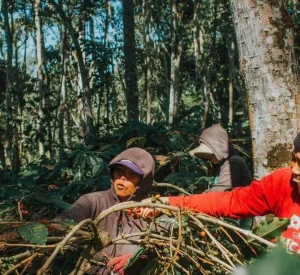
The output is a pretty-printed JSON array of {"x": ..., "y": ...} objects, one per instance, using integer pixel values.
[
  {"x": 26, "y": 266},
  {"x": 125, "y": 205},
  {"x": 181, "y": 267},
  {"x": 178, "y": 242},
  {"x": 198, "y": 251},
  {"x": 26, "y": 245},
  {"x": 229, "y": 237},
  {"x": 20, "y": 210},
  {"x": 185, "y": 254},
  {"x": 21, "y": 263},
  {"x": 212, "y": 257},
  {"x": 172, "y": 186},
  {"x": 127, "y": 236},
  {"x": 81, "y": 263},
  {"x": 64, "y": 241},
  {"x": 120, "y": 240},
  {"x": 12, "y": 222},
  {"x": 171, "y": 246},
  {"x": 223, "y": 250},
  {"x": 227, "y": 267},
  {"x": 171, "y": 237},
  {"x": 238, "y": 229},
  {"x": 22, "y": 255},
  {"x": 245, "y": 241}
]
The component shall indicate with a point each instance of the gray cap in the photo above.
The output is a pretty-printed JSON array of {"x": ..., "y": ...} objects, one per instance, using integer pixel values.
[{"x": 201, "y": 150}]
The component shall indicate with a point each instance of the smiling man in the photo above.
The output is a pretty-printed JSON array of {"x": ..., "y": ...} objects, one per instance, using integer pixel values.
[{"x": 132, "y": 175}]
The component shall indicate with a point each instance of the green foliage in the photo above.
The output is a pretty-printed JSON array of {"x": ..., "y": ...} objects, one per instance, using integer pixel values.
[
  {"x": 271, "y": 229},
  {"x": 34, "y": 233},
  {"x": 54, "y": 185}
]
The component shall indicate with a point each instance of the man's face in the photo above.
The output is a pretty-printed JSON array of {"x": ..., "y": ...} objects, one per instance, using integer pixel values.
[
  {"x": 124, "y": 182},
  {"x": 210, "y": 157},
  {"x": 295, "y": 165}
]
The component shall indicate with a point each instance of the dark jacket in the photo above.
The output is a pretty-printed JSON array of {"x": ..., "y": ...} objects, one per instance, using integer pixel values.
[
  {"x": 232, "y": 170},
  {"x": 91, "y": 205}
]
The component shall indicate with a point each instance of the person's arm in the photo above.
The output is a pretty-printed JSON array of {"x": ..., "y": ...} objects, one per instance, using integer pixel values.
[
  {"x": 79, "y": 210},
  {"x": 258, "y": 199}
]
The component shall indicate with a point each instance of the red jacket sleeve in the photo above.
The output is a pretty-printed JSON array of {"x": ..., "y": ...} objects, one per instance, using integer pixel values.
[{"x": 260, "y": 198}]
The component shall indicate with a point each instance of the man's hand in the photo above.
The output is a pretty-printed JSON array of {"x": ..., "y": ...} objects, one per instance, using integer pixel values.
[
  {"x": 118, "y": 263},
  {"x": 150, "y": 213}
]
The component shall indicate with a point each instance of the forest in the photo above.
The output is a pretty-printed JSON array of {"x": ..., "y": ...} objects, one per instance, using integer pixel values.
[{"x": 81, "y": 81}]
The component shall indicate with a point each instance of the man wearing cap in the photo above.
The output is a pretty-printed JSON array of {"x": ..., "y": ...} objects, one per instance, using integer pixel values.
[
  {"x": 132, "y": 175},
  {"x": 230, "y": 170}
]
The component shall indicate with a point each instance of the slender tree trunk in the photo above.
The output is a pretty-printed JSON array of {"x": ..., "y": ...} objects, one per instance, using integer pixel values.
[
  {"x": 146, "y": 16},
  {"x": 230, "y": 50},
  {"x": 40, "y": 75},
  {"x": 9, "y": 88},
  {"x": 131, "y": 93},
  {"x": 176, "y": 51},
  {"x": 265, "y": 42},
  {"x": 62, "y": 103},
  {"x": 196, "y": 40},
  {"x": 17, "y": 110},
  {"x": 92, "y": 66}
]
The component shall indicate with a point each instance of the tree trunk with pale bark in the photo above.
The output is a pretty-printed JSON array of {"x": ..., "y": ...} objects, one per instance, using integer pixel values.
[
  {"x": 265, "y": 41},
  {"x": 176, "y": 52},
  {"x": 7, "y": 143},
  {"x": 40, "y": 76}
]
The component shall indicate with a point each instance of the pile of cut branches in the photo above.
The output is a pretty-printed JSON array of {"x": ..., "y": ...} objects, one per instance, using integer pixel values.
[{"x": 189, "y": 243}]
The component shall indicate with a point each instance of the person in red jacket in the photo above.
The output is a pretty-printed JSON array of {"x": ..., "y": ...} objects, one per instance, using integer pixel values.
[{"x": 277, "y": 193}]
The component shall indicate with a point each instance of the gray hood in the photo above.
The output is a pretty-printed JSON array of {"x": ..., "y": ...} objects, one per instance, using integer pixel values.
[
  {"x": 217, "y": 139},
  {"x": 145, "y": 162}
]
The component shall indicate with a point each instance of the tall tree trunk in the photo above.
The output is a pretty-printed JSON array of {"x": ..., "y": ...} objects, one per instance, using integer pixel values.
[
  {"x": 146, "y": 16},
  {"x": 62, "y": 97},
  {"x": 265, "y": 43},
  {"x": 176, "y": 51},
  {"x": 40, "y": 75},
  {"x": 231, "y": 69},
  {"x": 7, "y": 144},
  {"x": 131, "y": 93},
  {"x": 84, "y": 106}
]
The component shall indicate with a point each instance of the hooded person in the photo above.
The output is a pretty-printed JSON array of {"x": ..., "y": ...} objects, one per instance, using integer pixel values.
[
  {"x": 132, "y": 175},
  {"x": 230, "y": 170}
]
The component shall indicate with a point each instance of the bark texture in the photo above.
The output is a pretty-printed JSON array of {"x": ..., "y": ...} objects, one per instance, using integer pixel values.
[
  {"x": 131, "y": 93},
  {"x": 265, "y": 43}
]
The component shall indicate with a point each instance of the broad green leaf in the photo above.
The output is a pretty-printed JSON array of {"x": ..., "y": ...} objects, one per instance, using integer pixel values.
[
  {"x": 83, "y": 163},
  {"x": 34, "y": 232},
  {"x": 98, "y": 168},
  {"x": 135, "y": 257},
  {"x": 271, "y": 229}
]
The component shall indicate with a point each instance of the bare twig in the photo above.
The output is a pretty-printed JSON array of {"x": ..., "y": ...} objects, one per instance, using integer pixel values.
[
  {"x": 63, "y": 242},
  {"x": 21, "y": 263},
  {"x": 171, "y": 186}
]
